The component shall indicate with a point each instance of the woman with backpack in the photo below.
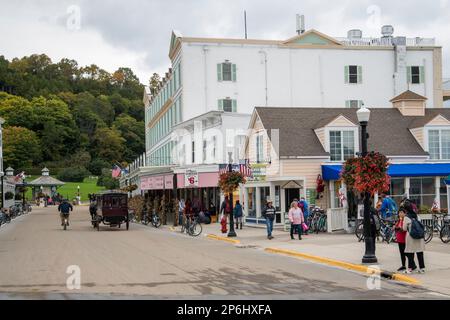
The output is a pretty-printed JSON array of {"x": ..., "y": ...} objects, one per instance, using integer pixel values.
[{"x": 415, "y": 240}]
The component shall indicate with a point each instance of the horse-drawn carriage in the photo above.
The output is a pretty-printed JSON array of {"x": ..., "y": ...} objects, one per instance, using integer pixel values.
[{"x": 111, "y": 209}]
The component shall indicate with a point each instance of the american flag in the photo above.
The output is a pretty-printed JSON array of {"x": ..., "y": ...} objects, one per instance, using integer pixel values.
[
  {"x": 116, "y": 171},
  {"x": 20, "y": 176},
  {"x": 223, "y": 168},
  {"x": 245, "y": 169}
]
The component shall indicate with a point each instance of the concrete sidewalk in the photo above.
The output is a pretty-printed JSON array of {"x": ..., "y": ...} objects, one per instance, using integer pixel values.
[{"x": 346, "y": 248}]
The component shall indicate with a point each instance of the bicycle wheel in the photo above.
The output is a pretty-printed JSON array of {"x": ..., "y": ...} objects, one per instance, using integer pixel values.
[
  {"x": 323, "y": 224},
  {"x": 156, "y": 221},
  {"x": 359, "y": 231},
  {"x": 445, "y": 234},
  {"x": 195, "y": 229},
  {"x": 428, "y": 234}
]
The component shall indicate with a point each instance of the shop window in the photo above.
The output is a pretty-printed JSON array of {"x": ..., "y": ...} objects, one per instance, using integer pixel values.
[
  {"x": 251, "y": 202},
  {"x": 397, "y": 189},
  {"x": 422, "y": 191},
  {"x": 265, "y": 194}
]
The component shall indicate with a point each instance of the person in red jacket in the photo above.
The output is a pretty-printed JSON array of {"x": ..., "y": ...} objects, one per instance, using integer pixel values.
[{"x": 401, "y": 237}]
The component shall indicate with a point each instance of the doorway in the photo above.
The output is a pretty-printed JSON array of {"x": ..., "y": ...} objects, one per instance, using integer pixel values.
[{"x": 290, "y": 195}]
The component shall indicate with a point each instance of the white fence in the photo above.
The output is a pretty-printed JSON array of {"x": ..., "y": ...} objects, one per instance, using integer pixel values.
[{"x": 337, "y": 220}]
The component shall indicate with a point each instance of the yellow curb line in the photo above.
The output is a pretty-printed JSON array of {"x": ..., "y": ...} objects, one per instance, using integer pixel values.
[
  {"x": 345, "y": 265},
  {"x": 214, "y": 237}
]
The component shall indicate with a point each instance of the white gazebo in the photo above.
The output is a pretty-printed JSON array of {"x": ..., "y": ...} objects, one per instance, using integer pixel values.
[{"x": 45, "y": 185}]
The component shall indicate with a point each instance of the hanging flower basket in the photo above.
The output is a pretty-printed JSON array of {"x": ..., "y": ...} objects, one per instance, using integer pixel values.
[
  {"x": 367, "y": 174},
  {"x": 229, "y": 181}
]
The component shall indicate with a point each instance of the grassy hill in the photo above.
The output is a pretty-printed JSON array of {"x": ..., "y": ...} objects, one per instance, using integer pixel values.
[{"x": 69, "y": 190}]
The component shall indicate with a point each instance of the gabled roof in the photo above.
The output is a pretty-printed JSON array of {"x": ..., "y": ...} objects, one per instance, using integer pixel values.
[
  {"x": 388, "y": 129},
  {"x": 174, "y": 42},
  {"x": 46, "y": 181},
  {"x": 409, "y": 95},
  {"x": 327, "y": 122},
  {"x": 313, "y": 37}
]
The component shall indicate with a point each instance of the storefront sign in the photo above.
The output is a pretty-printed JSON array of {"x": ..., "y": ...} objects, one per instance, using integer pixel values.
[
  {"x": 259, "y": 172},
  {"x": 168, "y": 182},
  {"x": 191, "y": 179}
]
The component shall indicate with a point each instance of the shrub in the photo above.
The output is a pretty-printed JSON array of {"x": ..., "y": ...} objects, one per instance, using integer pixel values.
[
  {"x": 96, "y": 166},
  {"x": 106, "y": 180},
  {"x": 74, "y": 174}
]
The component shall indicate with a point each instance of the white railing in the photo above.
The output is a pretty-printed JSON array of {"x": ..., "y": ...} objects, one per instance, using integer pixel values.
[
  {"x": 410, "y": 42},
  {"x": 337, "y": 219}
]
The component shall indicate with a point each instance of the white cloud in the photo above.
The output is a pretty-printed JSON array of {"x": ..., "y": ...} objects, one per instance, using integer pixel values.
[{"x": 136, "y": 33}]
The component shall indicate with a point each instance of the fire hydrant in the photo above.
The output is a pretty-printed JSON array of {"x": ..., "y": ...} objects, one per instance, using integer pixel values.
[{"x": 223, "y": 222}]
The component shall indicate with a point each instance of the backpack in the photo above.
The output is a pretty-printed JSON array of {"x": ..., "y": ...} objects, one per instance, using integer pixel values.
[{"x": 417, "y": 230}]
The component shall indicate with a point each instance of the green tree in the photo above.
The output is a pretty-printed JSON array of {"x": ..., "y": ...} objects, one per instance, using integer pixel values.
[
  {"x": 16, "y": 111},
  {"x": 108, "y": 145},
  {"x": 21, "y": 147},
  {"x": 97, "y": 165},
  {"x": 134, "y": 134}
]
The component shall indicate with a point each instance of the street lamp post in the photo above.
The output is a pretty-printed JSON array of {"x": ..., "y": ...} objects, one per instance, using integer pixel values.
[
  {"x": 369, "y": 256},
  {"x": 24, "y": 185},
  {"x": 232, "y": 232}
]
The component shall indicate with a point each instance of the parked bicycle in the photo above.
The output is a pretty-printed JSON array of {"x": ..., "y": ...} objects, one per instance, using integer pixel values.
[
  {"x": 191, "y": 226},
  {"x": 5, "y": 216},
  {"x": 444, "y": 234},
  {"x": 317, "y": 220}
]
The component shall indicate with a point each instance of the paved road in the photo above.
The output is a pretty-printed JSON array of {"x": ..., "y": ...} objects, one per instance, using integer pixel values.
[{"x": 148, "y": 263}]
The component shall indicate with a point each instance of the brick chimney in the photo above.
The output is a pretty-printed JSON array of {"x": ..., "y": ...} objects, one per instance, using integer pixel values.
[{"x": 410, "y": 103}]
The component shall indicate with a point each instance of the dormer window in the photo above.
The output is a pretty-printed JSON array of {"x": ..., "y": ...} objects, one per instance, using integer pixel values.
[
  {"x": 439, "y": 144},
  {"x": 342, "y": 144}
]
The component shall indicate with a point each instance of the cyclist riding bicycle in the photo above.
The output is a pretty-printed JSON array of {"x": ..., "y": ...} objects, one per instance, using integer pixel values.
[{"x": 64, "y": 208}]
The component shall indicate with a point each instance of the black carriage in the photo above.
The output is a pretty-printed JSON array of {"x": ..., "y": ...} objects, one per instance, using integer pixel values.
[{"x": 111, "y": 210}]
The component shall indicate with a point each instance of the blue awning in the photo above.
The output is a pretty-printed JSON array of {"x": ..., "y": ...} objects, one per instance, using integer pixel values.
[{"x": 332, "y": 172}]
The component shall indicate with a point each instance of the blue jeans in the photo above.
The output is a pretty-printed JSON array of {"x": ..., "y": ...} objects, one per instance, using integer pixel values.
[{"x": 269, "y": 224}]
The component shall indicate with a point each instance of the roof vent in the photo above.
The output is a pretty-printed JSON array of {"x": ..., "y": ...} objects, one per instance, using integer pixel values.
[
  {"x": 354, "y": 34},
  {"x": 387, "y": 31}
]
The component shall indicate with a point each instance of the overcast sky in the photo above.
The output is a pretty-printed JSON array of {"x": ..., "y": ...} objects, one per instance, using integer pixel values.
[{"x": 136, "y": 33}]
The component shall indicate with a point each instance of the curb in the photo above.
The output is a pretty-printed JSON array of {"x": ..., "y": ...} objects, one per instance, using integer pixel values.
[
  {"x": 346, "y": 265},
  {"x": 214, "y": 237}
]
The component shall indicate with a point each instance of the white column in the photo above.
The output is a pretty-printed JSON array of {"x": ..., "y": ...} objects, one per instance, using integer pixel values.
[
  {"x": 272, "y": 193},
  {"x": 407, "y": 186},
  {"x": 448, "y": 196},
  {"x": 437, "y": 185},
  {"x": 282, "y": 201},
  {"x": 246, "y": 200},
  {"x": 332, "y": 191},
  {"x": 258, "y": 203}
]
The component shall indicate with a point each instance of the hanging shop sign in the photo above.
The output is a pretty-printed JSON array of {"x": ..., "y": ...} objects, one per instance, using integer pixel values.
[
  {"x": 259, "y": 172},
  {"x": 191, "y": 179}
]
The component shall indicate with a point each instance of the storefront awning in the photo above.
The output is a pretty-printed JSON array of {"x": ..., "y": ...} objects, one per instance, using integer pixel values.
[{"x": 332, "y": 172}]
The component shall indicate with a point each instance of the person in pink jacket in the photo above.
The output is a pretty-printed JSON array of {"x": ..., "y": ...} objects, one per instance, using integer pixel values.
[{"x": 296, "y": 218}]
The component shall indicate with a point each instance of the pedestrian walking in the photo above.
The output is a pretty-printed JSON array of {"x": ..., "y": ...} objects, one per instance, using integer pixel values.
[
  {"x": 269, "y": 214},
  {"x": 297, "y": 219},
  {"x": 238, "y": 214},
  {"x": 181, "y": 205},
  {"x": 415, "y": 241},
  {"x": 225, "y": 208},
  {"x": 400, "y": 235},
  {"x": 388, "y": 207}
]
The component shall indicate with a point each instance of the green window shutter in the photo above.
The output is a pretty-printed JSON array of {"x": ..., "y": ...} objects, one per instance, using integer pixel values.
[
  {"x": 346, "y": 74},
  {"x": 347, "y": 103},
  {"x": 220, "y": 103},
  {"x": 219, "y": 72},
  {"x": 408, "y": 74},
  {"x": 233, "y": 72},
  {"x": 422, "y": 74},
  {"x": 359, "y": 74},
  {"x": 234, "y": 102}
]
